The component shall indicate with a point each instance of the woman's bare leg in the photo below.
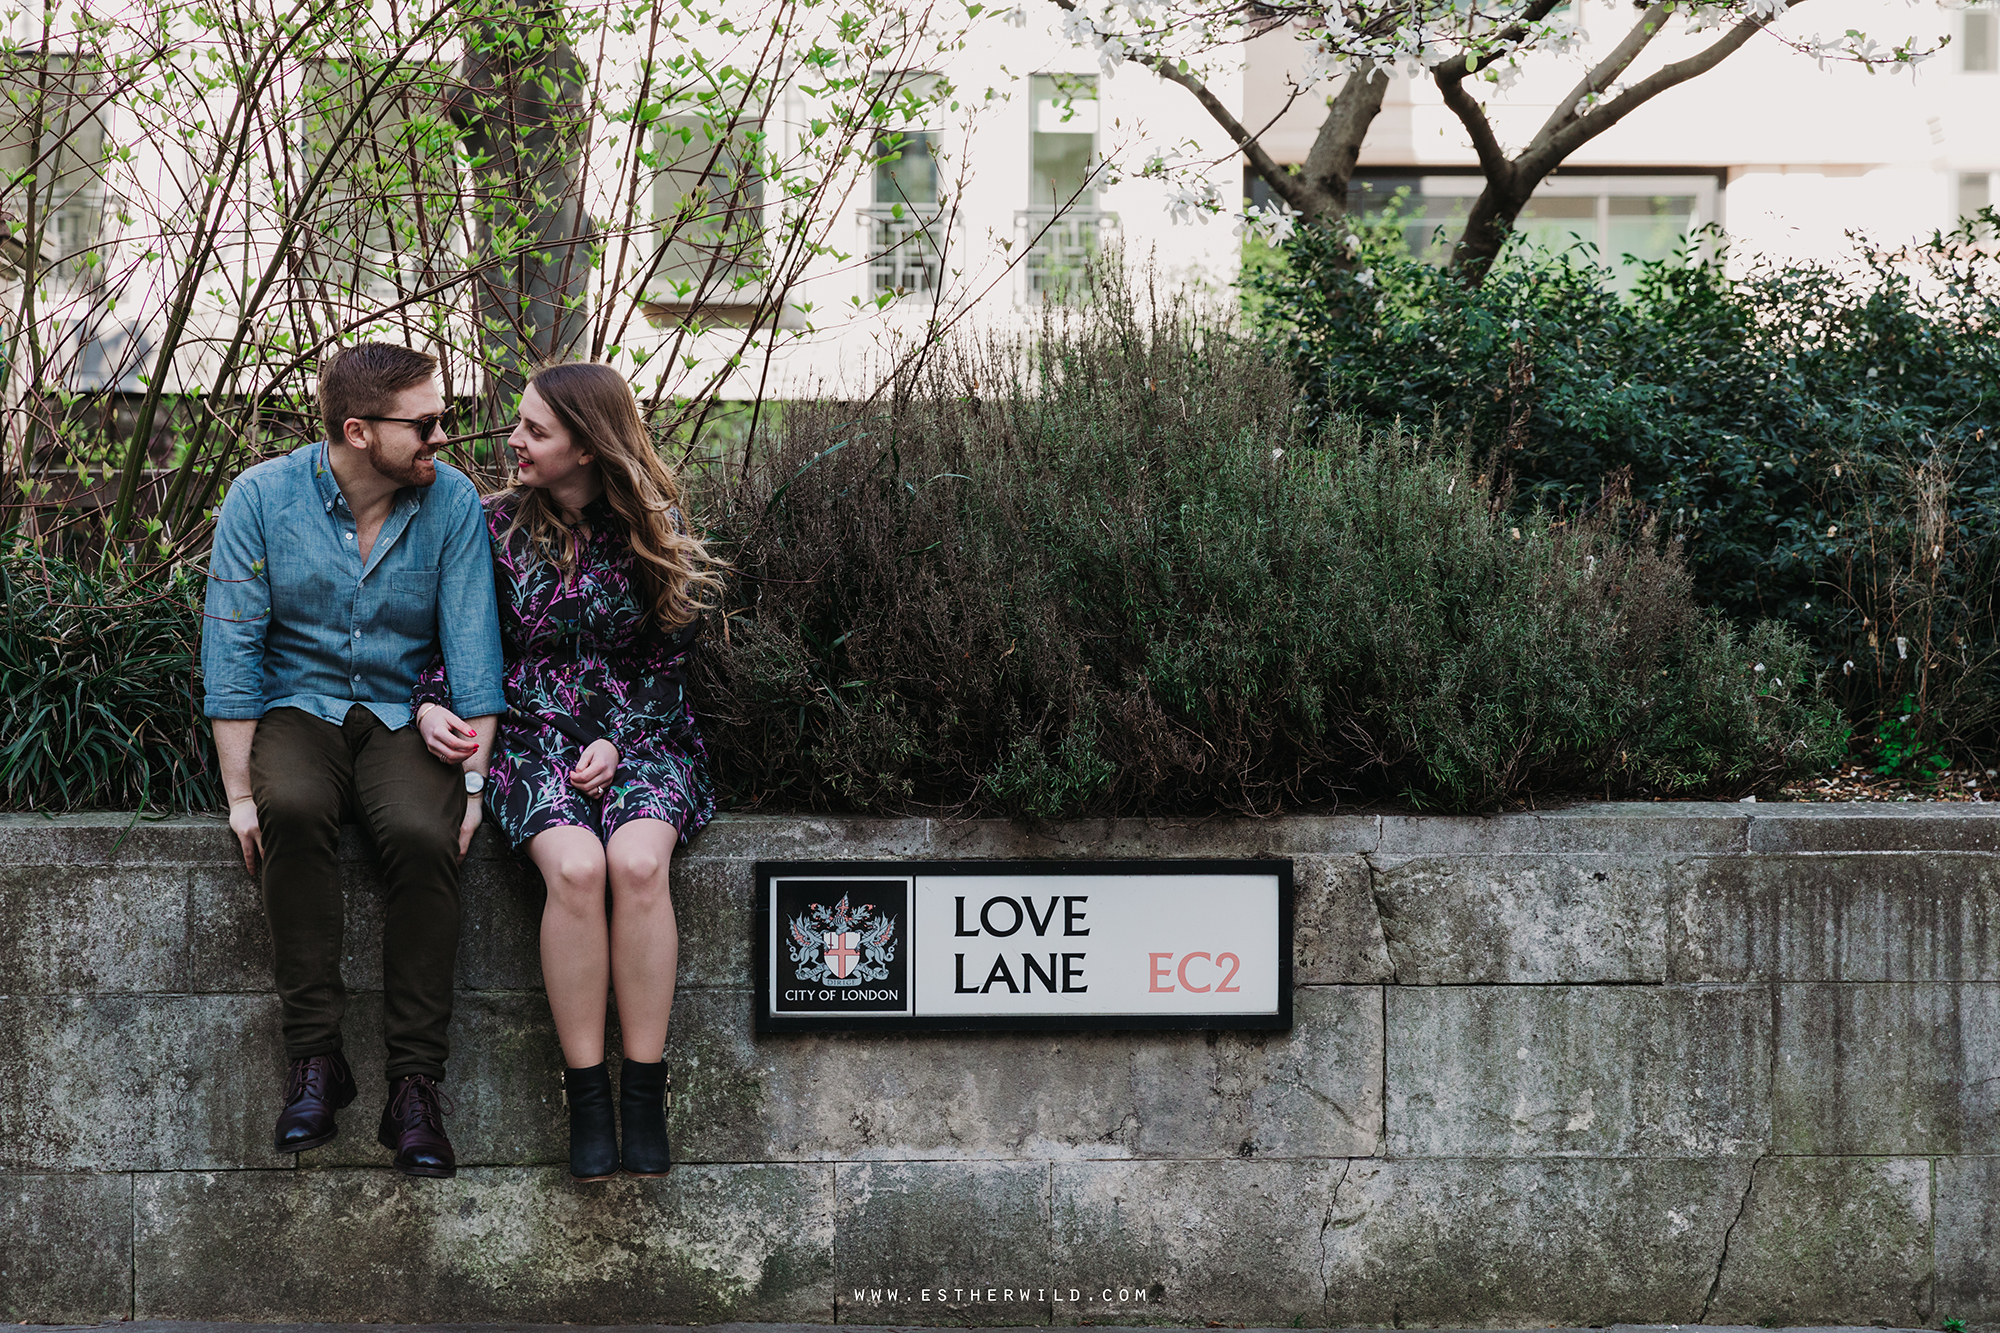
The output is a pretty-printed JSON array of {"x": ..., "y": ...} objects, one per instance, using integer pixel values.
[
  {"x": 576, "y": 944},
  {"x": 645, "y": 943}
]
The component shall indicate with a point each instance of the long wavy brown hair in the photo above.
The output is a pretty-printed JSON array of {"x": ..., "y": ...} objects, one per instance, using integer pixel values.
[{"x": 674, "y": 570}]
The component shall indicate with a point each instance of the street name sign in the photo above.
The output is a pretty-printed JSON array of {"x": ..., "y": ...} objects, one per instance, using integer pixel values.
[{"x": 846, "y": 946}]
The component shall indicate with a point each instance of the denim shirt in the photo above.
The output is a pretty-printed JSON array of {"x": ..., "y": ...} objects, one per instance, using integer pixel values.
[{"x": 296, "y": 620}]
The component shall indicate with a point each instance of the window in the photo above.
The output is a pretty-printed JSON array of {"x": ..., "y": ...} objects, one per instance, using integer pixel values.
[
  {"x": 1063, "y": 228},
  {"x": 1975, "y": 191},
  {"x": 372, "y": 225},
  {"x": 62, "y": 167},
  {"x": 1644, "y": 217},
  {"x": 1979, "y": 40},
  {"x": 1064, "y": 139},
  {"x": 708, "y": 209},
  {"x": 905, "y": 219}
]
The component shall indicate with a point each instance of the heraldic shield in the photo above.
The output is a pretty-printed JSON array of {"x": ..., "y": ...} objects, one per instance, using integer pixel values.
[{"x": 842, "y": 945}]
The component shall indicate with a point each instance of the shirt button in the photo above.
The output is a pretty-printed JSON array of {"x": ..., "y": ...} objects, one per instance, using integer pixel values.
[
  {"x": 357, "y": 634},
  {"x": 348, "y": 535}
]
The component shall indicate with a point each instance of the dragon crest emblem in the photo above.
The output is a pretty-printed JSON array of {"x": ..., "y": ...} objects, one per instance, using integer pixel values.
[{"x": 842, "y": 945}]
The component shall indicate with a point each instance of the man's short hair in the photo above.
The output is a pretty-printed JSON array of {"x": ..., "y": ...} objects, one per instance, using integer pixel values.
[{"x": 361, "y": 381}]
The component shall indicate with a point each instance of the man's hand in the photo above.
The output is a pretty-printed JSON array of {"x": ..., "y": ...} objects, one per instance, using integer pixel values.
[
  {"x": 446, "y": 735},
  {"x": 595, "y": 770},
  {"x": 474, "y": 810},
  {"x": 243, "y": 823}
]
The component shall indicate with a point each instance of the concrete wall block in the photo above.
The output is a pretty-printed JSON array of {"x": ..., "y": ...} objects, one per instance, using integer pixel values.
[
  {"x": 498, "y": 942},
  {"x": 115, "y": 838},
  {"x": 1968, "y": 1241},
  {"x": 1499, "y": 1244},
  {"x": 1810, "y": 827},
  {"x": 93, "y": 928},
  {"x": 1579, "y": 1071},
  {"x": 941, "y": 1236},
  {"x": 1525, "y": 920},
  {"x": 65, "y": 1248},
  {"x": 1315, "y": 1090},
  {"x": 500, "y": 936},
  {"x": 1336, "y": 932},
  {"x": 229, "y": 938},
  {"x": 504, "y": 1078},
  {"x": 743, "y": 1098},
  {"x": 1321, "y": 835},
  {"x": 1234, "y": 1242},
  {"x": 1405, "y": 836},
  {"x": 1669, "y": 830},
  {"x": 139, "y": 1082},
  {"x": 1840, "y": 917},
  {"x": 232, "y": 939},
  {"x": 1830, "y": 1240},
  {"x": 715, "y": 904},
  {"x": 813, "y": 838},
  {"x": 514, "y": 1245},
  {"x": 1888, "y": 1068}
]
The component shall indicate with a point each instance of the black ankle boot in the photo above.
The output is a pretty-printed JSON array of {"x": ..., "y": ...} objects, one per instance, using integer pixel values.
[
  {"x": 593, "y": 1137},
  {"x": 642, "y": 1106}
]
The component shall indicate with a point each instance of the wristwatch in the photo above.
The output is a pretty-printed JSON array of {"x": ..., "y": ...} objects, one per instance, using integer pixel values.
[{"x": 474, "y": 783}]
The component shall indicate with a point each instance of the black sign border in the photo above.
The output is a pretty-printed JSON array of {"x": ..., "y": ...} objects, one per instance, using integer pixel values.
[{"x": 769, "y": 1024}]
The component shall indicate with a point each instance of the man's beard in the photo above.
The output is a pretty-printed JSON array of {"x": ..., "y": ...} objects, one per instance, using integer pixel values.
[{"x": 418, "y": 470}]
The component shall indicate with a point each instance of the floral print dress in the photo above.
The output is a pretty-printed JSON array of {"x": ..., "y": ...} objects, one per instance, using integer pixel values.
[{"x": 584, "y": 660}]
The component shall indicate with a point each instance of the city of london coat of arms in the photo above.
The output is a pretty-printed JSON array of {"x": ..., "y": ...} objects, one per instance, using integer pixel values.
[{"x": 842, "y": 946}]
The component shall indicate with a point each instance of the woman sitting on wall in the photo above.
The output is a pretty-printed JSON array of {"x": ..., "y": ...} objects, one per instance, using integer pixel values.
[{"x": 598, "y": 771}]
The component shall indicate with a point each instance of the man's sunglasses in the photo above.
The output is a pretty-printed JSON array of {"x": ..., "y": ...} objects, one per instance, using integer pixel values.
[{"x": 422, "y": 425}]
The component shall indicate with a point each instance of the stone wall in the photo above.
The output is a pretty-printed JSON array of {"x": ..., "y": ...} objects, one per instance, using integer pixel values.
[{"x": 1655, "y": 1064}]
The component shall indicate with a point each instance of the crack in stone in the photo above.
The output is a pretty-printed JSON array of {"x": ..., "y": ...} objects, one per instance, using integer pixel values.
[
  {"x": 1722, "y": 1260},
  {"x": 1326, "y": 1225},
  {"x": 1381, "y": 918}
]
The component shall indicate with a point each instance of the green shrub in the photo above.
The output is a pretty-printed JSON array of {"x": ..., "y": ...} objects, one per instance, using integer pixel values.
[
  {"x": 99, "y": 703},
  {"x": 1110, "y": 568},
  {"x": 1820, "y": 440},
  {"x": 1113, "y": 569}
]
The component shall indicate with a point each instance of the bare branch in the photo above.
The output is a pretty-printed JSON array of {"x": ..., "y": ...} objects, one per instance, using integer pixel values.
[{"x": 1492, "y": 157}]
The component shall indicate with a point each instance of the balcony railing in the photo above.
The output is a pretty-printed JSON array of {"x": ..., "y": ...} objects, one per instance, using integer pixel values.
[
  {"x": 905, "y": 247},
  {"x": 1059, "y": 248}
]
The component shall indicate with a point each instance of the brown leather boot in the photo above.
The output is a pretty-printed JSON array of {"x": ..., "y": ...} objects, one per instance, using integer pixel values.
[
  {"x": 413, "y": 1127},
  {"x": 315, "y": 1087}
]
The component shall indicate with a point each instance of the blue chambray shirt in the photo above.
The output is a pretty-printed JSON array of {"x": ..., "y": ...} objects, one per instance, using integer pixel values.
[{"x": 296, "y": 621}]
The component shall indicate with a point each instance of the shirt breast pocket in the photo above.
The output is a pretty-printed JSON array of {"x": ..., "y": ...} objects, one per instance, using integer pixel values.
[{"x": 411, "y": 605}]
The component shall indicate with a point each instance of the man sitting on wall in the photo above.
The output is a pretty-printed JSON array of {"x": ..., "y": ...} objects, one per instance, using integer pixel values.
[{"x": 338, "y": 572}]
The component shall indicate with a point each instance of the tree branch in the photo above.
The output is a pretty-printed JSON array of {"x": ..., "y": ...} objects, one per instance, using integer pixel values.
[
  {"x": 1492, "y": 157},
  {"x": 1456, "y": 71},
  {"x": 1604, "y": 73},
  {"x": 1336, "y": 148},
  {"x": 1559, "y": 139},
  {"x": 1283, "y": 184}
]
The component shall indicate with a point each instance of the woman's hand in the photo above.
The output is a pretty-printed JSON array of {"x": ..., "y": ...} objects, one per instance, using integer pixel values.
[
  {"x": 445, "y": 734},
  {"x": 475, "y": 810},
  {"x": 594, "y": 771}
]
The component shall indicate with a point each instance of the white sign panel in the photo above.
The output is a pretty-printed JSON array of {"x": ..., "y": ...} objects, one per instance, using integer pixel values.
[{"x": 1024, "y": 944}]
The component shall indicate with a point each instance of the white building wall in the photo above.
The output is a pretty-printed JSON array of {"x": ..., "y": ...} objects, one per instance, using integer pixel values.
[{"x": 986, "y": 163}]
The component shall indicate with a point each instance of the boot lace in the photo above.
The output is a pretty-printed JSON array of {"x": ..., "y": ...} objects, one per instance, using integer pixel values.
[
  {"x": 420, "y": 1098},
  {"x": 308, "y": 1075}
]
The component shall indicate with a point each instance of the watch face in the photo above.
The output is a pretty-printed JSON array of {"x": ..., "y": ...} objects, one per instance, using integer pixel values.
[{"x": 474, "y": 783}]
